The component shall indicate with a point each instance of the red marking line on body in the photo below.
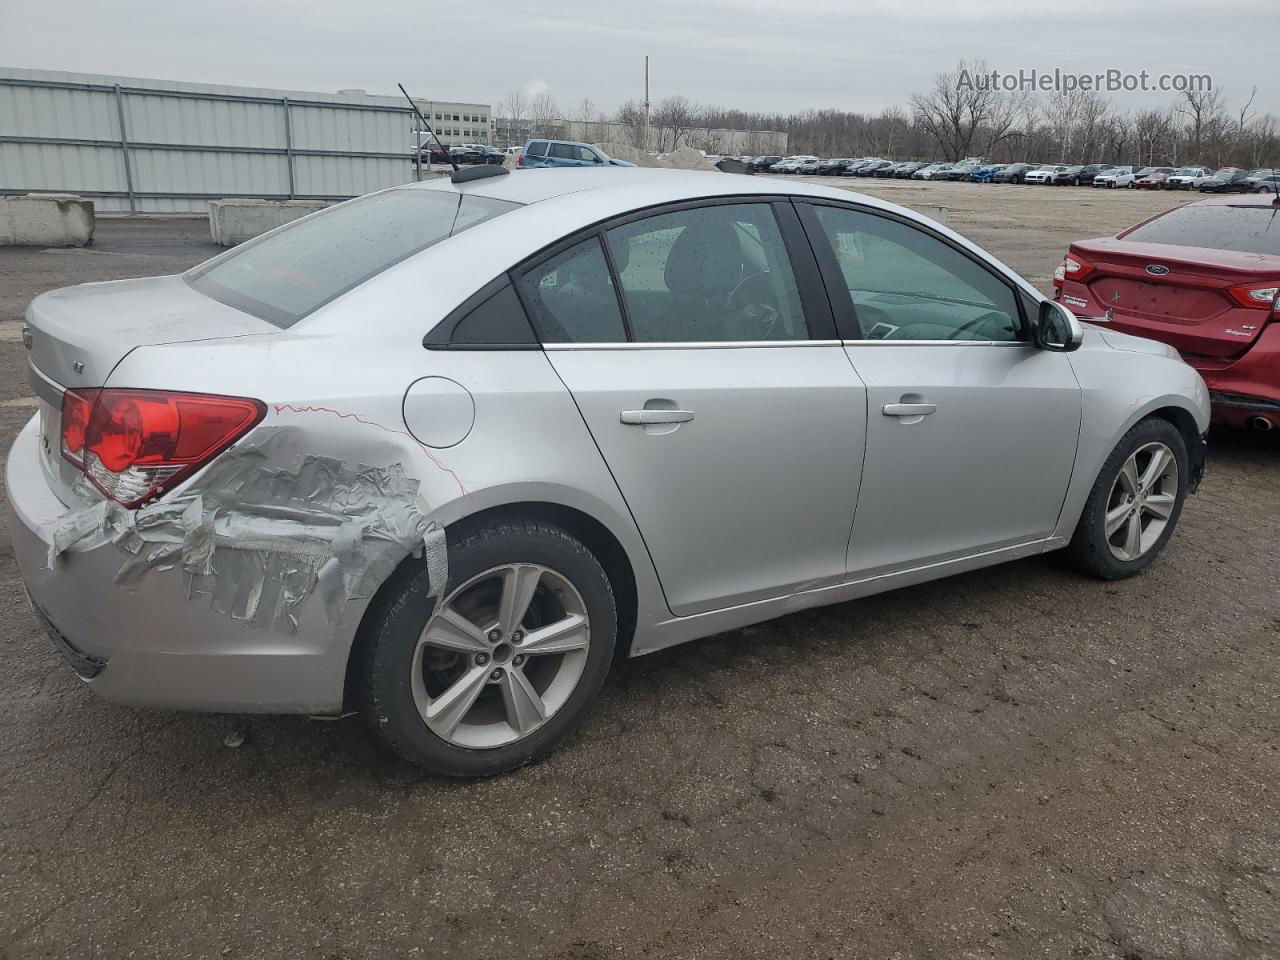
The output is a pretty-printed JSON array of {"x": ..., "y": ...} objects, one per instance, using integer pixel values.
[{"x": 278, "y": 407}]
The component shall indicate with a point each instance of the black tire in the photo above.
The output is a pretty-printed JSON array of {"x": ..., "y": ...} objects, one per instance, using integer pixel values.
[
  {"x": 383, "y": 670},
  {"x": 1089, "y": 551}
]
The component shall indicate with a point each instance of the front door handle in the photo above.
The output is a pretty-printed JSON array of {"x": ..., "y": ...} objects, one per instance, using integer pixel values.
[
  {"x": 908, "y": 409},
  {"x": 655, "y": 416}
]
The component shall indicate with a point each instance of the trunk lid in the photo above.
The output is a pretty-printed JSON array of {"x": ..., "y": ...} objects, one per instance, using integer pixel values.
[
  {"x": 1178, "y": 294},
  {"x": 79, "y": 334}
]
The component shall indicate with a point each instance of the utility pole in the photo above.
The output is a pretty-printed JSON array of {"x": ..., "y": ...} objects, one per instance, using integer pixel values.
[{"x": 646, "y": 104}]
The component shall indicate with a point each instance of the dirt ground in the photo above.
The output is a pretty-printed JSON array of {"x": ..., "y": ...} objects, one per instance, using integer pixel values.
[{"x": 1016, "y": 763}]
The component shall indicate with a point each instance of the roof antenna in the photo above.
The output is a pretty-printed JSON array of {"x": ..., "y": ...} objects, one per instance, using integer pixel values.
[{"x": 459, "y": 175}]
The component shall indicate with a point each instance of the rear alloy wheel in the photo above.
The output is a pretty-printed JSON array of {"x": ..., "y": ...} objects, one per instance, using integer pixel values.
[
  {"x": 1135, "y": 502},
  {"x": 501, "y": 669},
  {"x": 491, "y": 666}
]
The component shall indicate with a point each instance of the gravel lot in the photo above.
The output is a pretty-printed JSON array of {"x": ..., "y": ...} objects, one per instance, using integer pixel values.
[{"x": 1015, "y": 763}]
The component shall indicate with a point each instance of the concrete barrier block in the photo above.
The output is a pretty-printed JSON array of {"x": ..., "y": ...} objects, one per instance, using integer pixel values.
[
  {"x": 934, "y": 213},
  {"x": 45, "y": 220},
  {"x": 235, "y": 221}
]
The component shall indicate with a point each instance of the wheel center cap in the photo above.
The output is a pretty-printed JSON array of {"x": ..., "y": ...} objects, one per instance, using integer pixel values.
[{"x": 503, "y": 652}]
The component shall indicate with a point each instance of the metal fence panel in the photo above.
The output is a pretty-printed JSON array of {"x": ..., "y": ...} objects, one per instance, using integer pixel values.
[{"x": 164, "y": 146}]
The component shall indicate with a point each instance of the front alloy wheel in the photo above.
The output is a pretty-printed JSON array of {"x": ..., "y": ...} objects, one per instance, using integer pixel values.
[
  {"x": 1142, "y": 501},
  {"x": 1135, "y": 502}
]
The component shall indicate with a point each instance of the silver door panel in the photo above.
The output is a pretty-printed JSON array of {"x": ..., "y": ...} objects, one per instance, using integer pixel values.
[{"x": 740, "y": 464}]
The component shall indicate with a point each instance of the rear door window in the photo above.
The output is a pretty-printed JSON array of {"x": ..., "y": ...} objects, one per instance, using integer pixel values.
[
  {"x": 715, "y": 273},
  {"x": 1246, "y": 229},
  {"x": 571, "y": 299},
  {"x": 286, "y": 275}
]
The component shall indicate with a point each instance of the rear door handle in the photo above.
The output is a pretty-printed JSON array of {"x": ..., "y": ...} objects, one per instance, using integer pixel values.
[
  {"x": 908, "y": 409},
  {"x": 655, "y": 416}
]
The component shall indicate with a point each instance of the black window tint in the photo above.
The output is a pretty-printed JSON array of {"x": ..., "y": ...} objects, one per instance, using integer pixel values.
[
  {"x": 571, "y": 297},
  {"x": 537, "y": 148},
  {"x": 1247, "y": 229},
  {"x": 908, "y": 285},
  {"x": 716, "y": 273},
  {"x": 491, "y": 319},
  {"x": 563, "y": 151}
]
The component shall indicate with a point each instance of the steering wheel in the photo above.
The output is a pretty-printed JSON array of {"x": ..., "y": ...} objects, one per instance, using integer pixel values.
[
  {"x": 756, "y": 305},
  {"x": 977, "y": 322}
]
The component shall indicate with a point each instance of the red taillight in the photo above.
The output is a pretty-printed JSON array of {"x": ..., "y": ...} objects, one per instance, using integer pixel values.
[
  {"x": 520, "y": 160},
  {"x": 76, "y": 406},
  {"x": 1257, "y": 296},
  {"x": 135, "y": 444},
  {"x": 1074, "y": 267}
]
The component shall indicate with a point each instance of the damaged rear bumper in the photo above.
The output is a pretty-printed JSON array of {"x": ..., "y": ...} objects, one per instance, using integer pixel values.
[{"x": 157, "y": 639}]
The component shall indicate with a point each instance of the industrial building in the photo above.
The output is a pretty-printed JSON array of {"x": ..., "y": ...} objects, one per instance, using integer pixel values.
[
  {"x": 458, "y": 122},
  {"x": 161, "y": 146}
]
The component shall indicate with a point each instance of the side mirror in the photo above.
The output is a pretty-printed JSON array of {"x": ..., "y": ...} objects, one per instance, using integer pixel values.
[{"x": 1057, "y": 328}]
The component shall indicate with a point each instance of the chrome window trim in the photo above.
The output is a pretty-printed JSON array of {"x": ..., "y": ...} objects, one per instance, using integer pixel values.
[
  {"x": 693, "y": 345},
  {"x": 937, "y": 343}
]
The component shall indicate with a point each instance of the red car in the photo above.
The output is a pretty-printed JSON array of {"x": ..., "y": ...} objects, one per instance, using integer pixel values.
[
  {"x": 1154, "y": 180},
  {"x": 1203, "y": 278}
]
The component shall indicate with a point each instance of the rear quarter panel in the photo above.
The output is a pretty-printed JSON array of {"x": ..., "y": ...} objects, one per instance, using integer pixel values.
[{"x": 344, "y": 395}]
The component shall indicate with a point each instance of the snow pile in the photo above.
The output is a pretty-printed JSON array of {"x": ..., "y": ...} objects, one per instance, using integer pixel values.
[
  {"x": 624, "y": 151},
  {"x": 687, "y": 158}
]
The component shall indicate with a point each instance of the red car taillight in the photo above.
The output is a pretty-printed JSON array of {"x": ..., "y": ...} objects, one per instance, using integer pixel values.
[
  {"x": 1075, "y": 267},
  {"x": 1257, "y": 296},
  {"x": 135, "y": 444}
]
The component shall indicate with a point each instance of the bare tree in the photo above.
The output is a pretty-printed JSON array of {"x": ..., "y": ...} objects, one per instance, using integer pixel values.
[
  {"x": 542, "y": 111},
  {"x": 1010, "y": 114},
  {"x": 673, "y": 117},
  {"x": 959, "y": 104},
  {"x": 631, "y": 116},
  {"x": 1156, "y": 137},
  {"x": 1245, "y": 116},
  {"x": 1205, "y": 119},
  {"x": 513, "y": 113}
]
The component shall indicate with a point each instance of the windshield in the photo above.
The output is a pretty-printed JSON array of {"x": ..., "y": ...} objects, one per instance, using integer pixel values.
[
  {"x": 1246, "y": 229},
  {"x": 1188, "y": 172},
  {"x": 285, "y": 276}
]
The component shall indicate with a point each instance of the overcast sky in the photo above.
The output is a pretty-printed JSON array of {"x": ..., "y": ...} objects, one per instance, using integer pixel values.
[{"x": 755, "y": 54}]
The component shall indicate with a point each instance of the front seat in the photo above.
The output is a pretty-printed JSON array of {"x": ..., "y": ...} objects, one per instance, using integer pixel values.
[{"x": 703, "y": 267}]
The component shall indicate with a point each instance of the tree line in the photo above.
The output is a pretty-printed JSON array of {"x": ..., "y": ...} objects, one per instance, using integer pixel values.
[{"x": 953, "y": 120}]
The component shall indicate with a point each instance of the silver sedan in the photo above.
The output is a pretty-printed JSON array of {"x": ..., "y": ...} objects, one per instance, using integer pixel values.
[{"x": 441, "y": 453}]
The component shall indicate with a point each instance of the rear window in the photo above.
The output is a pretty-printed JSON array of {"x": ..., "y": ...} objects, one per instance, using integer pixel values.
[
  {"x": 285, "y": 276},
  {"x": 1246, "y": 229},
  {"x": 536, "y": 148}
]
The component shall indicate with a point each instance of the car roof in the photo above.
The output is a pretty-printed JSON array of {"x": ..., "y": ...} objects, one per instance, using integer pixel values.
[
  {"x": 552, "y": 204},
  {"x": 615, "y": 188}
]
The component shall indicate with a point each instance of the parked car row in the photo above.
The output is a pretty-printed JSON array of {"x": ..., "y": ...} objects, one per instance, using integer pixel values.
[
  {"x": 466, "y": 154},
  {"x": 976, "y": 170}
]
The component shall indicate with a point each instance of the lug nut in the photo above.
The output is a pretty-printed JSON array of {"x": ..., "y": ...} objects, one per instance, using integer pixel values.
[
  {"x": 482, "y": 658},
  {"x": 517, "y": 636},
  {"x": 518, "y": 660},
  {"x": 494, "y": 636},
  {"x": 496, "y": 675}
]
